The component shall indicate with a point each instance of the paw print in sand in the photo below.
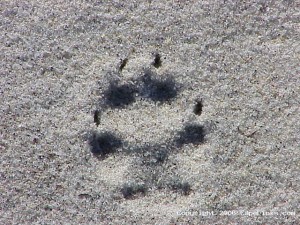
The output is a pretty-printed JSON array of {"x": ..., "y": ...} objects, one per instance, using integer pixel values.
[{"x": 152, "y": 168}]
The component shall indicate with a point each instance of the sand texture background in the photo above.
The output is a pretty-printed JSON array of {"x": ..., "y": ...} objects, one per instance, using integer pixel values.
[{"x": 57, "y": 61}]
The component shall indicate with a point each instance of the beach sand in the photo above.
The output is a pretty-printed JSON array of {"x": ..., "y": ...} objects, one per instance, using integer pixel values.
[{"x": 151, "y": 159}]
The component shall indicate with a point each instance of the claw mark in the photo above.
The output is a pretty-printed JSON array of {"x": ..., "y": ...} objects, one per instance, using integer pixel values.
[
  {"x": 157, "y": 61},
  {"x": 198, "y": 107},
  {"x": 97, "y": 115},
  {"x": 123, "y": 64}
]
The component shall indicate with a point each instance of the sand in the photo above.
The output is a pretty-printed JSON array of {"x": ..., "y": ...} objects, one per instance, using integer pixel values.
[{"x": 235, "y": 162}]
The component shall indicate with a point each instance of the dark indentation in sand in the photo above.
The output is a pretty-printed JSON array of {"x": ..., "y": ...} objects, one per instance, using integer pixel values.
[
  {"x": 198, "y": 107},
  {"x": 104, "y": 143},
  {"x": 191, "y": 134},
  {"x": 157, "y": 61},
  {"x": 123, "y": 64},
  {"x": 118, "y": 96},
  {"x": 178, "y": 185},
  {"x": 159, "y": 89},
  {"x": 129, "y": 190},
  {"x": 97, "y": 115}
]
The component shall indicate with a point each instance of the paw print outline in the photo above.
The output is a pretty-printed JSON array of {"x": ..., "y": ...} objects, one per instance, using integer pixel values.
[{"x": 152, "y": 157}]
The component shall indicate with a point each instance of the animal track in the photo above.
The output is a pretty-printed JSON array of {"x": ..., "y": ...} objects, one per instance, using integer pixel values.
[
  {"x": 151, "y": 157},
  {"x": 158, "y": 89},
  {"x": 157, "y": 61},
  {"x": 118, "y": 96},
  {"x": 192, "y": 133},
  {"x": 104, "y": 143}
]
